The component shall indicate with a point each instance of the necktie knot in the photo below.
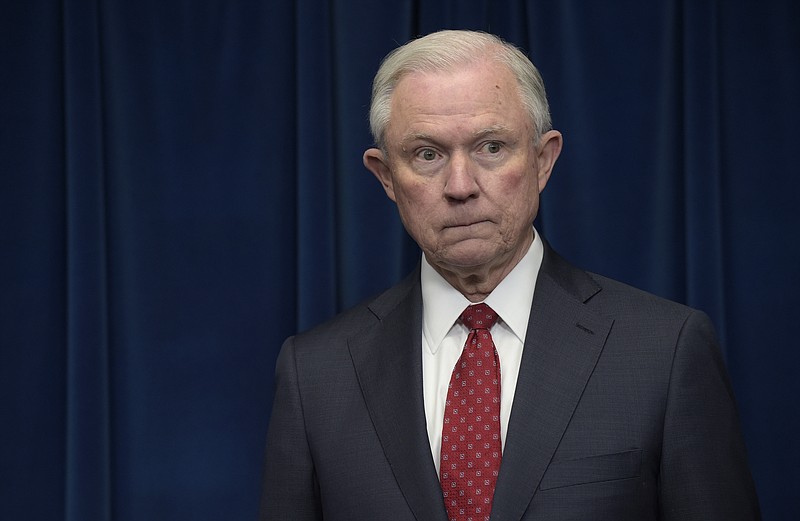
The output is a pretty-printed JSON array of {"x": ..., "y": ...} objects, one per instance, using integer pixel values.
[{"x": 479, "y": 316}]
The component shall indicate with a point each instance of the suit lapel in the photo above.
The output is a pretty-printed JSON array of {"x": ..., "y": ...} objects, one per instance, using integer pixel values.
[
  {"x": 562, "y": 346},
  {"x": 388, "y": 362}
]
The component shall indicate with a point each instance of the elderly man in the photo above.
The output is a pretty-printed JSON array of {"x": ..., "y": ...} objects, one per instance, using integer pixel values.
[{"x": 497, "y": 381}]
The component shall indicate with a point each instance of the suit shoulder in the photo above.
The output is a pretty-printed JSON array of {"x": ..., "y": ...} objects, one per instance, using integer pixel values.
[
  {"x": 350, "y": 322},
  {"x": 620, "y": 300},
  {"x": 653, "y": 329}
]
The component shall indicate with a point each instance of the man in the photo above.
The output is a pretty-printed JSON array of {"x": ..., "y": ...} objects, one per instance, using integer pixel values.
[{"x": 586, "y": 399}]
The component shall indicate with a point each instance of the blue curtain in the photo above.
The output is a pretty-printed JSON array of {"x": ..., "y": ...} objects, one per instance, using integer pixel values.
[{"x": 181, "y": 188}]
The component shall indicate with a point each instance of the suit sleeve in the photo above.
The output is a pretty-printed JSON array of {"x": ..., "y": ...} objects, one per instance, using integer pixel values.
[
  {"x": 704, "y": 473},
  {"x": 290, "y": 489}
]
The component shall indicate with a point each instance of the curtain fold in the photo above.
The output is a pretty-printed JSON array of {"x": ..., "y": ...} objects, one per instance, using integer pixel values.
[
  {"x": 316, "y": 194},
  {"x": 181, "y": 188},
  {"x": 87, "y": 430},
  {"x": 704, "y": 229}
]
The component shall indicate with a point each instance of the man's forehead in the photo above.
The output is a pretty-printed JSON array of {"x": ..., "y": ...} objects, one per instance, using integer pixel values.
[
  {"x": 482, "y": 65},
  {"x": 472, "y": 88}
]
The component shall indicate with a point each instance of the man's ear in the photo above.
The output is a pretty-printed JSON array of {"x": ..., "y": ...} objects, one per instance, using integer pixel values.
[
  {"x": 377, "y": 163},
  {"x": 549, "y": 149}
]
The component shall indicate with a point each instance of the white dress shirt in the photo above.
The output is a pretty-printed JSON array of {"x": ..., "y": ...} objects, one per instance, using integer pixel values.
[{"x": 443, "y": 337}]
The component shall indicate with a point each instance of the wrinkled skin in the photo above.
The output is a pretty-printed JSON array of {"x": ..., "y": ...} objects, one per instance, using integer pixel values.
[{"x": 465, "y": 169}]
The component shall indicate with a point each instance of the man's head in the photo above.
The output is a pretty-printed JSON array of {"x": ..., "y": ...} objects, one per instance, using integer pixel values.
[
  {"x": 446, "y": 51},
  {"x": 464, "y": 152}
]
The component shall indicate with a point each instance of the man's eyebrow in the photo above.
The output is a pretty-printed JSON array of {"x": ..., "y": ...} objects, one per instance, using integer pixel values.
[
  {"x": 416, "y": 136},
  {"x": 413, "y": 137},
  {"x": 487, "y": 131},
  {"x": 494, "y": 129}
]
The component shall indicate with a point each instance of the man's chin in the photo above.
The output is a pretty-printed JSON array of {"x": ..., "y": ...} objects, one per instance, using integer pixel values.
[{"x": 465, "y": 255}]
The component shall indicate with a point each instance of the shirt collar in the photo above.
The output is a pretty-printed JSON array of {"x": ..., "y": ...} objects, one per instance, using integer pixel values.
[{"x": 442, "y": 304}]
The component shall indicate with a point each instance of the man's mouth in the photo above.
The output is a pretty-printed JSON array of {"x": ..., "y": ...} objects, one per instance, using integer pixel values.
[{"x": 466, "y": 224}]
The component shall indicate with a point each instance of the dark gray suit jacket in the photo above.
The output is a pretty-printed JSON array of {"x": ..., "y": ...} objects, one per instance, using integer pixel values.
[{"x": 622, "y": 411}]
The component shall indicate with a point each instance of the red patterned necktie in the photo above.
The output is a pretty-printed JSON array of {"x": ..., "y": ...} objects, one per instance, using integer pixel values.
[{"x": 471, "y": 447}]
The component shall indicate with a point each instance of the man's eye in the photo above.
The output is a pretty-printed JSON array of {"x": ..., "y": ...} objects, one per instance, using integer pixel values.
[
  {"x": 493, "y": 147},
  {"x": 427, "y": 154}
]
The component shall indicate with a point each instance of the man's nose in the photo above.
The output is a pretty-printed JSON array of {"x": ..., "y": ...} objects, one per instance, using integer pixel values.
[{"x": 460, "y": 183}]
